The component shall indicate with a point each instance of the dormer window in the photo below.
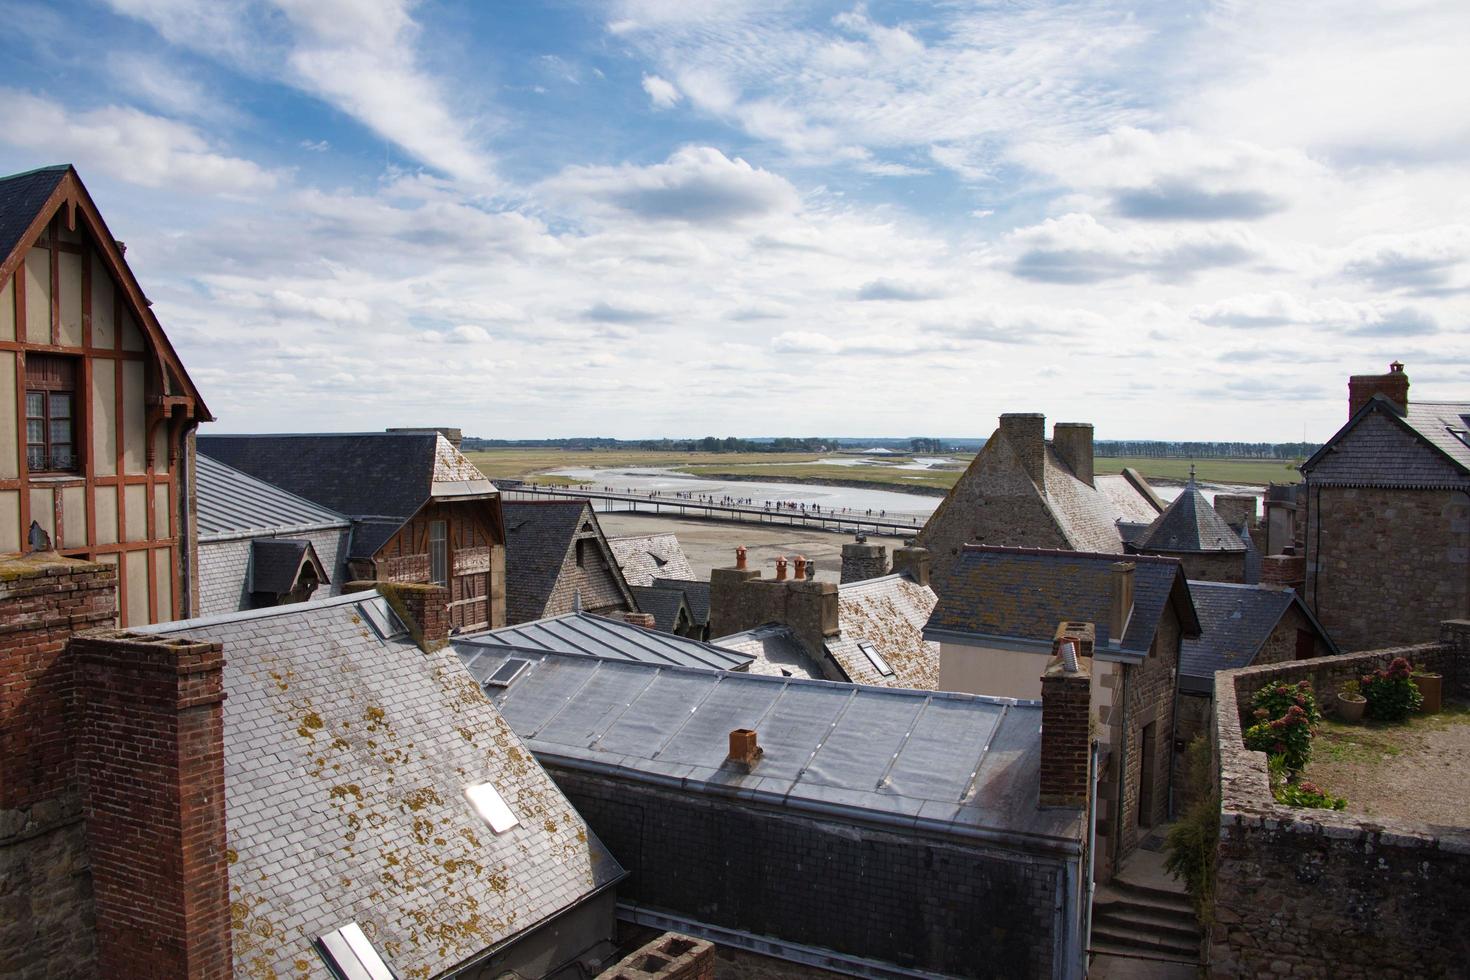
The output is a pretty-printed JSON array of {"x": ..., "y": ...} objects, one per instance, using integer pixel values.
[{"x": 51, "y": 414}]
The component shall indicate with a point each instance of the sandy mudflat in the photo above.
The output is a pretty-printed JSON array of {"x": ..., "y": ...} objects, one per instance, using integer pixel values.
[{"x": 711, "y": 544}]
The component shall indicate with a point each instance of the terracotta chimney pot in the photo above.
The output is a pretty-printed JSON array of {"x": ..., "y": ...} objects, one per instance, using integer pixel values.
[
  {"x": 781, "y": 568},
  {"x": 740, "y": 556}
]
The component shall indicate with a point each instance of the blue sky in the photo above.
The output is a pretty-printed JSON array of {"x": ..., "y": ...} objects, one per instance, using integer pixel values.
[{"x": 681, "y": 217}]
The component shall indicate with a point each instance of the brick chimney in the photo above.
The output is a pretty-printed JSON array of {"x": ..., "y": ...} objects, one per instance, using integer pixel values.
[
  {"x": 1025, "y": 433},
  {"x": 1066, "y": 728},
  {"x": 150, "y": 754},
  {"x": 745, "y": 750},
  {"x": 913, "y": 561},
  {"x": 861, "y": 561},
  {"x": 424, "y": 609},
  {"x": 1394, "y": 386},
  {"x": 1073, "y": 443},
  {"x": 1122, "y": 607},
  {"x": 643, "y": 619},
  {"x": 1284, "y": 571}
]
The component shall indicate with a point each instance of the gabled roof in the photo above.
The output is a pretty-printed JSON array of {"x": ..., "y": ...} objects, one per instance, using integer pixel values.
[
  {"x": 958, "y": 765},
  {"x": 538, "y": 536},
  {"x": 889, "y": 613},
  {"x": 276, "y": 563},
  {"x": 232, "y": 504},
  {"x": 1425, "y": 447},
  {"x": 1189, "y": 525},
  {"x": 696, "y": 594},
  {"x": 777, "y": 650},
  {"x": 28, "y": 202},
  {"x": 1086, "y": 515},
  {"x": 1132, "y": 497},
  {"x": 586, "y": 635},
  {"x": 644, "y": 557},
  {"x": 386, "y": 475},
  {"x": 1235, "y": 622},
  {"x": 1023, "y": 593},
  {"x": 664, "y": 605},
  {"x": 342, "y": 744}
]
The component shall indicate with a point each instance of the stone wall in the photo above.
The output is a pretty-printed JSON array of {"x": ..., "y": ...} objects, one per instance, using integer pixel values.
[
  {"x": 1318, "y": 893},
  {"x": 1214, "y": 566},
  {"x": 1150, "y": 701},
  {"x": 740, "y": 599},
  {"x": 224, "y": 569},
  {"x": 941, "y": 905},
  {"x": 671, "y": 956},
  {"x": 862, "y": 561},
  {"x": 1280, "y": 646},
  {"x": 1385, "y": 567}
]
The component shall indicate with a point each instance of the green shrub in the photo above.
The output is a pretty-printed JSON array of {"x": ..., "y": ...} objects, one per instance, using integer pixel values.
[
  {"x": 1392, "y": 694},
  {"x": 1289, "y": 791},
  {"x": 1194, "y": 838},
  {"x": 1279, "y": 698},
  {"x": 1289, "y": 736}
]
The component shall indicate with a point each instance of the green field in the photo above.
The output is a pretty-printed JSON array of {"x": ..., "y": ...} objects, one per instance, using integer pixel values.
[{"x": 795, "y": 467}]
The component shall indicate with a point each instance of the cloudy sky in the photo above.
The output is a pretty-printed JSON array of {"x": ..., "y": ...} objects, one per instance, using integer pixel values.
[{"x": 751, "y": 217}]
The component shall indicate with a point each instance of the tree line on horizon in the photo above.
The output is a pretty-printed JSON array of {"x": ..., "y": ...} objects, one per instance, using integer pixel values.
[{"x": 1109, "y": 448}]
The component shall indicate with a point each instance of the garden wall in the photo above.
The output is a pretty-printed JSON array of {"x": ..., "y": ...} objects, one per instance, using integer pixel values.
[{"x": 1318, "y": 893}]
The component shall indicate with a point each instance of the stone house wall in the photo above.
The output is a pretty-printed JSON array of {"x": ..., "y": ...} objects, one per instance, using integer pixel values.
[
  {"x": 937, "y": 904},
  {"x": 1217, "y": 566},
  {"x": 224, "y": 568},
  {"x": 1386, "y": 566},
  {"x": 596, "y": 579},
  {"x": 1318, "y": 893},
  {"x": 1280, "y": 646},
  {"x": 1150, "y": 699}
]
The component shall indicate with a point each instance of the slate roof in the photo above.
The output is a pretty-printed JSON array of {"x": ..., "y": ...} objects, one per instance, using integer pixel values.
[
  {"x": 644, "y": 557},
  {"x": 889, "y": 612},
  {"x": 347, "y": 754},
  {"x": 1235, "y": 621},
  {"x": 1379, "y": 447},
  {"x": 1129, "y": 502},
  {"x": 387, "y": 475},
  {"x": 232, "y": 504},
  {"x": 276, "y": 562},
  {"x": 21, "y": 198},
  {"x": 696, "y": 594},
  {"x": 1087, "y": 516},
  {"x": 663, "y": 604},
  {"x": 583, "y": 634},
  {"x": 1189, "y": 525},
  {"x": 776, "y": 649},
  {"x": 1023, "y": 593},
  {"x": 952, "y": 764}
]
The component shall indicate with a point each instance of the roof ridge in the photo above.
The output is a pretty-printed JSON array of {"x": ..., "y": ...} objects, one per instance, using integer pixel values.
[{"x": 1013, "y": 550}]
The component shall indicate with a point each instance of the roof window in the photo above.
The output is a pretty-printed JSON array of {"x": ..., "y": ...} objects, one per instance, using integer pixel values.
[
  {"x": 507, "y": 672},
  {"x": 1462, "y": 434},
  {"x": 491, "y": 807},
  {"x": 875, "y": 658},
  {"x": 350, "y": 956}
]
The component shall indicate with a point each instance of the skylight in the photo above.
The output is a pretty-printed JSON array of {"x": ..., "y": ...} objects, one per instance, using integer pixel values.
[
  {"x": 378, "y": 612},
  {"x": 490, "y": 806},
  {"x": 350, "y": 956},
  {"x": 507, "y": 672},
  {"x": 875, "y": 658}
]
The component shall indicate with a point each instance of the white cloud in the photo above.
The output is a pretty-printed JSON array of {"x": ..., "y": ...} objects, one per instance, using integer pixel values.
[
  {"x": 1077, "y": 248},
  {"x": 128, "y": 144},
  {"x": 1261, "y": 311},
  {"x": 663, "y": 93}
]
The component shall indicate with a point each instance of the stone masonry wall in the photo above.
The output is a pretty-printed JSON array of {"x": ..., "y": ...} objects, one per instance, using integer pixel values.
[
  {"x": 47, "y": 913},
  {"x": 1318, "y": 893},
  {"x": 1150, "y": 700},
  {"x": 926, "y": 903},
  {"x": 1220, "y": 566},
  {"x": 596, "y": 579},
  {"x": 1385, "y": 567},
  {"x": 1280, "y": 646}
]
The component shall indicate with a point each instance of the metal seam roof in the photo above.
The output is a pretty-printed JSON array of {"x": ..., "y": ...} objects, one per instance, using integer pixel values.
[
  {"x": 232, "y": 504},
  {"x": 584, "y": 634}
]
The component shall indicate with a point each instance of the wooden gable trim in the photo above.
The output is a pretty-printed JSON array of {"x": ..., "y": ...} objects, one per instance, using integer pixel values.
[{"x": 71, "y": 192}]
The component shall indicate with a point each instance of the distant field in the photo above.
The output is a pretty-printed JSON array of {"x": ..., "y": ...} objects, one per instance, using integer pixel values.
[{"x": 518, "y": 464}]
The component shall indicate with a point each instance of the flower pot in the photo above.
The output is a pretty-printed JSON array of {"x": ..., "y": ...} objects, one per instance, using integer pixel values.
[
  {"x": 1350, "y": 707},
  {"x": 1431, "y": 686}
]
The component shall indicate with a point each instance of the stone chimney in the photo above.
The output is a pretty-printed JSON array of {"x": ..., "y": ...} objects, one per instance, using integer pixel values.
[
  {"x": 1236, "y": 509},
  {"x": 1394, "y": 386},
  {"x": 729, "y": 607},
  {"x": 1066, "y": 728},
  {"x": 152, "y": 776},
  {"x": 861, "y": 560},
  {"x": 1122, "y": 608},
  {"x": 424, "y": 609},
  {"x": 1025, "y": 433},
  {"x": 739, "y": 599},
  {"x": 1073, "y": 443},
  {"x": 912, "y": 561},
  {"x": 1284, "y": 571}
]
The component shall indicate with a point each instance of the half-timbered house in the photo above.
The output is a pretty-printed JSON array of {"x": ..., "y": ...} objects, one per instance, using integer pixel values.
[
  {"x": 97, "y": 412},
  {"x": 420, "y": 511}
]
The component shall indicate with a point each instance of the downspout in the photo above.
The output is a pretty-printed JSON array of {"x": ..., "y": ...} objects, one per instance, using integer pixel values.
[
  {"x": 1317, "y": 556},
  {"x": 1173, "y": 737},
  {"x": 1117, "y": 842},
  {"x": 1089, "y": 872}
]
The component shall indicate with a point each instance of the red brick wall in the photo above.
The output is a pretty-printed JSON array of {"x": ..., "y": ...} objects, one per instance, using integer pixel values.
[{"x": 1066, "y": 735}]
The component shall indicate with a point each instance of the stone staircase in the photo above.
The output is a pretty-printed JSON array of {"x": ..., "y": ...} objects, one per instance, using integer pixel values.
[{"x": 1144, "y": 914}]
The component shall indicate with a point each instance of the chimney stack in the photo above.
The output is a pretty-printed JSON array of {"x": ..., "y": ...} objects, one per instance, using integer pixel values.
[
  {"x": 1284, "y": 571},
  {"x": 1066, "y": 727},
  {"x": 1122, "y": 600},
  {"x": 424, "y": 609},
  {"x": 1394, "y": 386},
  {"x": 912, "y": 561},
  {"x": 1082, "y": 636},
  {"x": 1073, "y": 443},
  {"x": 780, "y": 568},
  {"x": 643, "y": 619},
  {"x": 745, "y": 750},
  {"x": 1025, "y": 433},
  {"x": 861, "y": 560},
  {"x": 740, "y": 556}
]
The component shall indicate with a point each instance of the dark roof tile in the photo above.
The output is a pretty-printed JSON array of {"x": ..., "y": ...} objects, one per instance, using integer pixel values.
[{"x": 21, "y": 198}]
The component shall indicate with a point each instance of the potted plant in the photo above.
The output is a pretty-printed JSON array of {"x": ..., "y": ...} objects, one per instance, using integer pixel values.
[
  {"x": 1431, "y": 688},
  {"x": 1391, "y": 692},
  {"x": 1350, "y": 702}
]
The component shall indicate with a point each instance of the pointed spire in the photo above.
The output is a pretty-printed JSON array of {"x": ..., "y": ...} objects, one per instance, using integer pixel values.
[{"x": 1192, "y": 485}]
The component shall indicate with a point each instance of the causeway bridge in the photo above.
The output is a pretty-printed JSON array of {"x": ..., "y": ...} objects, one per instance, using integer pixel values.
[{"x": 844, "y": 522}]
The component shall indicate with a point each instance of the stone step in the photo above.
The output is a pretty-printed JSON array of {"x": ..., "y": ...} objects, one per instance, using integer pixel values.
[
  {"x": 1151, "y": 942},
  {"x": 1170, "y": 912},
  {"x": 1113, "y": 949},
  {"x": 1134, "y": 922},
  {"x": 1164, "y": 896}
]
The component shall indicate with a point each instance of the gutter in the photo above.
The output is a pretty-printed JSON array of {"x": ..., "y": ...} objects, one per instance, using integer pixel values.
[
  {"x": 1106, "y": 652},
  {"x": 240, "y": 534}
]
